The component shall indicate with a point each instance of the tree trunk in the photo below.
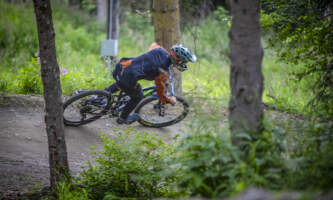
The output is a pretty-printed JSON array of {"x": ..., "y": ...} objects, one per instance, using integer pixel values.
[
  {"x": 52, "y": 93},
  {"x": 114, "y": 34},
  {"x": 101, "y": 10},
  {"x": 167, "y": 30},
  {"x": 206, "y": 7},
  {"x": 74, "y": 3},
  {"x": 246, "y": 79},
  {"x": 115, "y": 20}
]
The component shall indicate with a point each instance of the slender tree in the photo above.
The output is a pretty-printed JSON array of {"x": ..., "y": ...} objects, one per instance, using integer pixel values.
[
  {"x": 52, "y": 93},
  {"x": 74, "y": 3},
  {"x": 101, "y": 10},
  {"x": 115, "y": 20},
  {"x": 113, "y": 32},
  {"x": 246, "y": 79},
  {"x": 167, "y": 30}
]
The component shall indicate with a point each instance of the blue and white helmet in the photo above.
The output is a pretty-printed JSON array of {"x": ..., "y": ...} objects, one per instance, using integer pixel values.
[{"x": 180, "y": 56}]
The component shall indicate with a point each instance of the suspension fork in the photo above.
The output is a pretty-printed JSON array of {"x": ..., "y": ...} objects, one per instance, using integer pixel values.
[{"x": 171, "y": 82}]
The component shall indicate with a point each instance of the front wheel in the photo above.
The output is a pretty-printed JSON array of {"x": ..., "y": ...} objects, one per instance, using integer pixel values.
[
  {"x": 85, "y": 107},
  {"x": 155, "y": 114}
]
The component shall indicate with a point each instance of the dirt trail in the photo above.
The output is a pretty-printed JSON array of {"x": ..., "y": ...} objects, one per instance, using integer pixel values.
[{"x": 23, "y": 143}]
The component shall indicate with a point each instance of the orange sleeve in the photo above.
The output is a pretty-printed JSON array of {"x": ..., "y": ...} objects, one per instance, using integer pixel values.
[{"x": 161, "y": 83}]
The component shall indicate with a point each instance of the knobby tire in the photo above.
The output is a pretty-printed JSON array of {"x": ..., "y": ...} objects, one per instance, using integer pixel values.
[
  {"x": 80, "y": 97},
  {"x": 148, "y": 103}
]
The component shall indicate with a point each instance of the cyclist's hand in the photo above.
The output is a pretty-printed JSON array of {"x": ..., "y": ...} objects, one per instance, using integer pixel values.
[{"x": 171, "y": 100}]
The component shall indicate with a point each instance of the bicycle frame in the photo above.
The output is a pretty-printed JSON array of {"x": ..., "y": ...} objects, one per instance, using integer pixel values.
[{"x": 147, "y": 91}]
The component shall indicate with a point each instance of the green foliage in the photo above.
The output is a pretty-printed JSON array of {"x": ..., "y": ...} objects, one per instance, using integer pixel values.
[
  {"x": 209, "y": 77},
  {"x": 29, "y": 79},
  {"x": 204, "y": 43},
  {"x": 67, "y": 192},
  {"x": 312, "y": 158},
  {"x": 205, "y": 163},
  {"x": 314, "y": 171},
  {"x": 77, "y": 50},
  {"x": 282, "y": 91},
  {"x": 136, "y": 34},
  {"x": 3, "y": 83},
  {"x": 18, "y": 37},
  {"x": 223, "y": 15},
  {"x": 130, "y": 166},
  {"x": 213, "y": 167},
  {"x": 301, "y": 31}
]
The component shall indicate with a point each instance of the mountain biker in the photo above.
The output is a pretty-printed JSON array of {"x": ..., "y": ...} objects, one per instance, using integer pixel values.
[{"x": 153, "y": 65}]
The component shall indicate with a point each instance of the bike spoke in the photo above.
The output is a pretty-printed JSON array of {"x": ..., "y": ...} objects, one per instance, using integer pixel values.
[
  {"x": 157, "y": 113},
  {"x": 83, "y": 109}
]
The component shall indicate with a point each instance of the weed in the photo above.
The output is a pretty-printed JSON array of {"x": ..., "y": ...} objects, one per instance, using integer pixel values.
[{"x": 29, "y": 78}]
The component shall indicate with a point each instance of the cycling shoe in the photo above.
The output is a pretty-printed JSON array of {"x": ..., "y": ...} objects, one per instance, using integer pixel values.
[{"x": 130, "y": 119}]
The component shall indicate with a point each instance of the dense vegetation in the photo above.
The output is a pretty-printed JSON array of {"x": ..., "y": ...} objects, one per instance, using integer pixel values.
[
  {"x": 78, "y": 48},
  {"x": 294, "y": 152},
  {"x": 301, "y": 31}
]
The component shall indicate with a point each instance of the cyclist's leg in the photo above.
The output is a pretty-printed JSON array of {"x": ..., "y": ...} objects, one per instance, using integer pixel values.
[
  {"x": 112, "y": 88},
  {"x": 136, "y": 95},
  {"x": 101, "y": 100}
]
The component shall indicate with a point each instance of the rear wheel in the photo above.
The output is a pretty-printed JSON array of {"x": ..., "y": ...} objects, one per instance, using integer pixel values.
[
  {"x": 155, "y": 114},
  {"x": 85, "y": 107}
]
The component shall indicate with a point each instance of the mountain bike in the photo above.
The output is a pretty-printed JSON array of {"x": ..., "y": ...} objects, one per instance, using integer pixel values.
[{"x": 89, "y": 105}]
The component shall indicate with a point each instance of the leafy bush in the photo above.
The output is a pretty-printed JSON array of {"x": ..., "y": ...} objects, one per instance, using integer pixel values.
[
  {"x": 3, "y": 83},
  {"x": 213, "y": 167},
  {"x": 18, "y": 35},
  {"x": 29, "y": 78},
  {"x": 312, "y": 158},
  {"x": 67, "y": 192},
  {"x": 300, "y": 31},
  {"x": 130, "y": 166}
]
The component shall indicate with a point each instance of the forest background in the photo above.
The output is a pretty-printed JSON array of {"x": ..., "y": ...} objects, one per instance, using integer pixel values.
[{"x": 297, "y": 68}]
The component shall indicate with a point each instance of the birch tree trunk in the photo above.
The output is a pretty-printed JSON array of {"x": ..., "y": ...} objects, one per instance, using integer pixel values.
[
  {"x": 52, "y": 93},
  {"x": 246, "y": 79},
  {"x": 167, "y": 30}
]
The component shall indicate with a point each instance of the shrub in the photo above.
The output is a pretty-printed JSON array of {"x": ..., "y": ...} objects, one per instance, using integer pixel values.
[
  {"x": 67, "y": 192},
  {"x": 212, "y": 166},
  {"x": 312, "y": 157},
  {"x": 18, "y": 35},
  {"x": 29, "y": 78},
  {"x": 3, "y": 83},
  {"x": 130, "y": 166}
]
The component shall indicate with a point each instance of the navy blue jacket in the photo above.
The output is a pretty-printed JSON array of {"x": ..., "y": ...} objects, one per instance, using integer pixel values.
[
  {"x": 153, "y": 65},
  {"x": 147, "y": 66}
]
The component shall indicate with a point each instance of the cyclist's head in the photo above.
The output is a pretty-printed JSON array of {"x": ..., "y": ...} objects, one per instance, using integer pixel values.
[{"x": 180, "y": 56}]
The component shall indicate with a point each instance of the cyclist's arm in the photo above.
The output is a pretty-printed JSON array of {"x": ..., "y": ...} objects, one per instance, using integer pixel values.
[
  {"x": 161, "y": 85},
  {"x": 154, "y": 45}
]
